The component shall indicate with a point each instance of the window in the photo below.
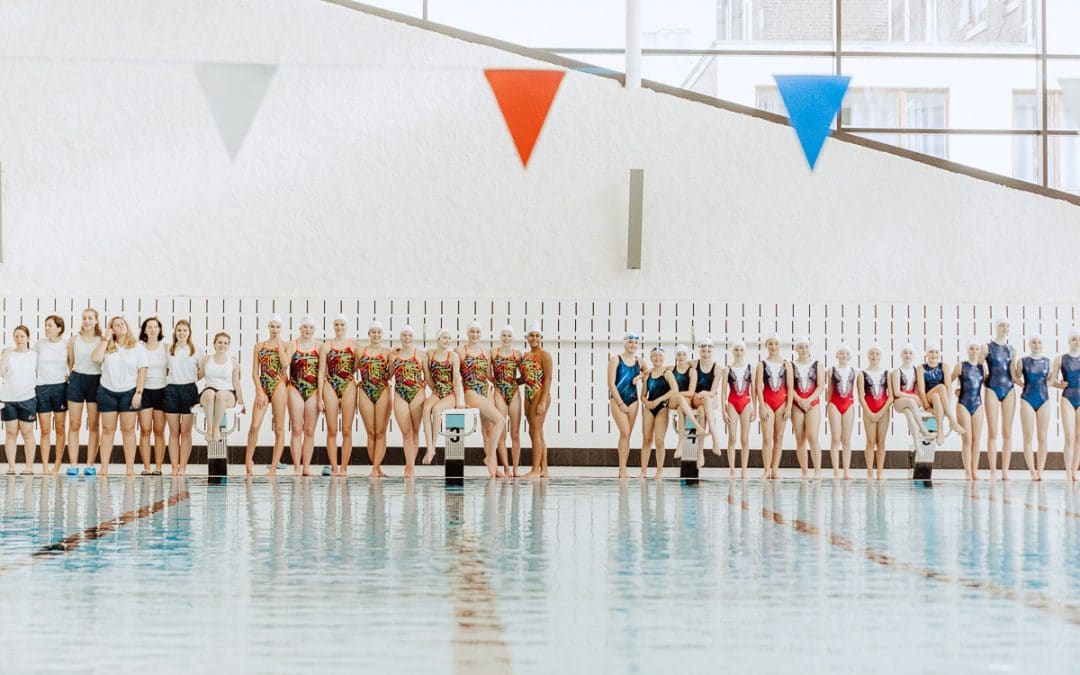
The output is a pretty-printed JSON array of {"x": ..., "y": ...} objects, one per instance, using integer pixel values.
[
  {"x": 1063, "y": 155},
  {"x": 974, "y": 14}
]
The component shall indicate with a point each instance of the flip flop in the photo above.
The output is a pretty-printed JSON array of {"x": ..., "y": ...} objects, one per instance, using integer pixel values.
[
  {"x": 327, "y": 471},
  {"x": 89, "y": 471},
  {"x": 73, "y": 471}
]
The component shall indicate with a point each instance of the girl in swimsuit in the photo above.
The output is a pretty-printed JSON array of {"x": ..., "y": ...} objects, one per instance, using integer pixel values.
[
  {"x": 623, "y": 372},
  {"x": 337, "y": 392},
  {"x": 904, "y": 387},
  {"x": 1032, "y": 372},
  {"x": 804, "y": 399},
  {"x": 970, "y": 412},
  {"x": 682, "y": 378},
  {"x": 373, "y": 368},
  {"x": 304, "y": 402},
  {"x": 82, "y": 388},
  {"x": 654, "y": 416},
  {"x": 475, "y": 377},
  {"x": 537, "y": 375},
  {"x": 872, "y": 385},
  {"x": 410, "y": 392},
  {"x": 841, "y": 397},
  {"x": 1000, "y": 395},
  {"x": 772, "y": 381},
  {"x": 1066, "y": 374},
  {"x": 740, "y": 409},
  {"x": 935, "y": 391},
  {"x": 269, "y": 374},
  {"x": 444, "y": 375},
  {"x": 707, "y": 387},
  {"x": 504, "y": 371}
]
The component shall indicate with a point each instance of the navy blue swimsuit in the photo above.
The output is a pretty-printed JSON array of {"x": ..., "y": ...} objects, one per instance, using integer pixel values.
[
  {"x": 705, "y": 380},
  {"x": 932, "y": 377},
  {"x": 1035, "y": 372},
  {"x": 999, "y": 358},
  {"x": 1070, "y": 372},
  {"x": 624, "y": 381},
  {"x": 972, "y": 379},
  {"x": 655, "y": 387},
  {"x": 681, "y": 379}
]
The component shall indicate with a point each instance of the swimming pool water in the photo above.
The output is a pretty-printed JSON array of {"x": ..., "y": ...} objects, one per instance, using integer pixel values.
[{"x": 575, "y": 575}]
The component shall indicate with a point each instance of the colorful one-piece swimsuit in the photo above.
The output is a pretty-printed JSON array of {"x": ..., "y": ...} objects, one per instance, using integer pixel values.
[
  {"x": 875, "y": 390},
  {"x": 408, "y": 377},
  {"x": 374, "y": 374},
  {"x": 775, "y": 390},
  {"x": 505, "y": 368},
  {"x": 442, "y": 376},
  {"x": 806, "y": 381},
  {"x": 304, "y": 372},
  {"x": 532, "y": 375},
  {"x": 474, "y": 370},
  {"x": 739, "y": 387},
  {"x": 269, "y": 369},
  {"x": 340, "y": 366},
  {"x": 842, "y": 394}
]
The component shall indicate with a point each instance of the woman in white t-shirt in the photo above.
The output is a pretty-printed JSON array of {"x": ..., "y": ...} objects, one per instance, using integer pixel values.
[
  {"x": 221, "y": 375},
  {"x": 123, "y": 378},
  {"x": 152, "y": 411},
  {"x": 18, "y": 367},
  {"x": 181, "y": 395},
  {"x": 51, "y": 393}
]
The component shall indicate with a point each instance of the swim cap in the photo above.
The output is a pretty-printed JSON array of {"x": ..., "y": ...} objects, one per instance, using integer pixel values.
[
  {"x": 843, "y": 348},
  {"x": 933, "y": 346},
  {"x": 631, "y": 335},
  {"x": 1001, "y": 320},
  {"x": 707, "y": 342},
  {"x": 307, "y": 320},
  {"x": 801, "y": 340},
  {"x": 405, "y": 329},
  {"x": 772, "y": 336},
  {"x": 1034, "y": 336},
  {"x": 657, "y": 348},
  {"x": 441, "y": 332},
  {"x": 908, "y": 345},
  {"x": 475, "y": 324},
  {"x": 374, "y": 325},
  {"x": 341, "y": 317},
  {"x": 507, "y": 329},
  {"x": 273, "y": 318},
  {"x": 535, "y": 327},
  {"x": 681, "y": 349},
  {"x": 738, "y": 343}
]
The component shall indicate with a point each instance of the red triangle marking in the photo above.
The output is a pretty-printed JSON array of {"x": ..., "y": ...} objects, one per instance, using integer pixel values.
[{"x": 524, "y": 97}]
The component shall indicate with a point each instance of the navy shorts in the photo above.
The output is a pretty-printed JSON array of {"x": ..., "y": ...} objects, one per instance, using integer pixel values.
[
  {"x": 180, "y": 398},
  {"x": 153, "y": 399},
  {"x": 114, "y": 401},
  {"x": 24, "y": 411},
  {"x": 51, "y": 398},
  {"x": 83, "y": 388}
]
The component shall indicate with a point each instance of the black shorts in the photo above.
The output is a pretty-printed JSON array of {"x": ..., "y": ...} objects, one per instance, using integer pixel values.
[
  {"x": 153, "y": 399},
  {"x": 51, "y": 398},
  {"x": 83, "y": 388},
  {"x": 180, "y": 398},
  {"x": 114, "y": 401},
  {"x": 24, "y": 411}
]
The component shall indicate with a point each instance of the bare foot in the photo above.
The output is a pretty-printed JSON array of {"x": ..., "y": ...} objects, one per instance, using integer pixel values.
[
  {"x": 731, "y": 472},
  {"x": 700, "y": 460},
  {"x": 804, "y": 474},
  {"x": 881, "y": 475},
  {"x": 847, "y": 476},
  {"x": 836, "y": 474},
  {"x": 374, "y": 473},
  {"x": 409, "y": 471},
  {"x": 659, "y": 472},
  {"x": 817, "y": 474},
  {"x": 641, "y": 474},
  {"x": 272, "y": 471},
  {"x": 543, "y": 473},
  {"x": 1004, "y": 475},
  {"x": 532, "y": 473},
  {"x": 678, "y": 452},
  {"x": 622, "y": 472},
  {"x": 742, "y": 474},
  {"x": 764, "y": 474},
  {"x": 249, "y": 469},
  {"x": 382, "y": 474}
]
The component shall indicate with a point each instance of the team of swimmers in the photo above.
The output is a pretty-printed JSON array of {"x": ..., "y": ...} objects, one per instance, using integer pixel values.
[
  {"x": 776, "y": 391},
  {"x": 118, "y": 378}
]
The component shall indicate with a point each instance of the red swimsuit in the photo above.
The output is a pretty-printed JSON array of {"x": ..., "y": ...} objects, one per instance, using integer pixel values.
[
  {"x": 775, "y": 390},
  {"x": 842, "y": 392},
  {"x": 806, "y": 385},
  {"x": 876, "y": 392},
  {"x": 739, "y": 388}
]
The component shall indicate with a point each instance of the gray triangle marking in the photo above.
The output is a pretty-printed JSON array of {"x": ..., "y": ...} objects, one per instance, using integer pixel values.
[{"x": 234, "y": 92}]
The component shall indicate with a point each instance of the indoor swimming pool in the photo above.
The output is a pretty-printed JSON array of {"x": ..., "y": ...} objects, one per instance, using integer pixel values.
[{"x": 573, "y": 575}]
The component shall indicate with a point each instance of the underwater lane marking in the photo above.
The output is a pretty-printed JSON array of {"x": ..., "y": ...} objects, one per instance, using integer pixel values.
[{"x": 478, "y": 631}]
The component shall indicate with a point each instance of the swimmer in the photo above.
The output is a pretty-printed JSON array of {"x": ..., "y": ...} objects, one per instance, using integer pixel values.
[
  {"x": 682, "y": 378},
  {"x": 410, "y": 391},
  {"x": 970, "y": 412},
  {"x": 337, "y": 391},
  {"x": 302, "y": 355},
  {"x": 475, "y": 376},
  {"x": 935, "y": 391},
  {"x": 1032, "y": 373},
  {"x": 505, "y": 360},
  {"x": 804, "y": 400},
  {"x": 268, "y": 371},
  {"x": 740, "y": 408},
  {"x": 654, "y": 413},
  {"x": 444, "y": 376},
  {"x": 772, "y": 381},
  {"x": 373, "y": 368},
  {"x": 875, "y": 398},
  {"x": 1066, "y": 370},
  {"x": 904, "y": 386},
  {"x": 181, "y": 395},
  {"x": 623, "y": 372},
  {"x": 1001, "y": 406},
  {"x": 537, "y": 378},
  {"x": 706, "y": 388},
  {"x": 841, "y": 397}
]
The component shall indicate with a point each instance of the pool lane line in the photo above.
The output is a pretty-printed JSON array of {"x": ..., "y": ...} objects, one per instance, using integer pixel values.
[
  {"x": 72, "y": 542},
  {"x": 1026, "y": 504},
  {"x": 477, "y": 642},
  {"x": 1033, "y": 599}
]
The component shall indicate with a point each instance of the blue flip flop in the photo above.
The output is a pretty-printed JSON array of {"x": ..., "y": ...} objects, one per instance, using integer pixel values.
[
  {"x": 73, "y": 471},
  {"x": 327, "y": 471},
  {"x": 89, "y": 471}
]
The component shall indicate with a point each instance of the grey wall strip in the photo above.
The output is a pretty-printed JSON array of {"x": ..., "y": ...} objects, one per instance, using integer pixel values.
[{"x": 633, "y": 238}]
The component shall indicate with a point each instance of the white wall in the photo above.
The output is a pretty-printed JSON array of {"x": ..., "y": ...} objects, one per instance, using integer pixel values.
[{"x": 379, "y": 163}]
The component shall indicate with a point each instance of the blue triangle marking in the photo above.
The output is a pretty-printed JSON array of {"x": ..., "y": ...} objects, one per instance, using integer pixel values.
[{"x": 812, "y": 102}]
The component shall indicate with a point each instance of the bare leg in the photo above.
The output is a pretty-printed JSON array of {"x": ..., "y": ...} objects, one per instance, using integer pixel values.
[
  {"x": 159, "y": 439},
  {"x": 382, "y": 420},
  {"x": 779, "y": 425},
  {"x": 75, "y": 417},
  {"x": 879, "y": 450},
  {"x": 108, "y": 437},
  {"x": 60, "y": 425},
  {"x": 1042, "y": 419},
  {"x": 798, "y": 427},
  {"x": 811, "y": 429},
  {"x": 258, "y": 414},
  {"x": 624, "y": 422},
  {"x": 11, "y": 440},
  {"x": 870, "y": 429},
  {"x": 430, "y": 425},
  {"x": 648, "y": 422},
  {"x": 127, "y": 436},
  {"x": 348, "y": 414},
  {"x": 146, "y": 430},
  {"x": 993, "y": 408},
  {"x": 403, "y": 416},
  {"x": 439, "y": 405},
  {"x": 26, "y": 430},
  {"x": 311, "y": 420},
  {"x": 1008, "y": 414},
  {"x": 744, "y": 440},
  {"x": 835, "y": 426},
  {"x": 296, "y": 429},
  {"x": 331, "y": 407},
  {"x": 847, "y": 425},
  {"x": 767, "y": 424},
  {"x": 964, "y": 418},
  {"x": 1027, "y": 426},
  {"x": 660, "y": 424},
  {"x": 514, "y": 413},
  {"x": 187, "y": 421}
]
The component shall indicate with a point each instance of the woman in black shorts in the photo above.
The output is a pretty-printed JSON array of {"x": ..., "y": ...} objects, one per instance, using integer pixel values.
[
  {"x": 152, "y": 413},
  {"x": 51, "y": 392},
  {"x": 83, "y": 387},
  {"x": 181, "y": 395}
]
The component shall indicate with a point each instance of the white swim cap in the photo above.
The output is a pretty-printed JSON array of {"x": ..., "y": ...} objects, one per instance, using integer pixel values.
[
  {"x": 1035, "y": 336},
  {"x": 307, "y": 320},
  {"x": 535, "y": 327},
  {"x": 801, "y": 340},
  {"x": 475, "y": 324},
  {"x": 681, "y": 349},
  {"x": 1001, "y": 320},
  {"x": 738, "y": 343},
  {"x": 908, "y": 345},
  {"x": 441, "y": 332},
  {"x": 707, "y": 342},
  {"x": 657, "y": 348},
  {"x": 1074, "y": 332},
  {"x": 872, "y": 347},
  {"x": 274, "y": 317},
  {"x": 631, "y": 335},
  {"x": 507, "y": 329},
  {"x": 772, "y": 336},
  {"x": 342, "y": 318},
  {"x": 405, "y": 329},
  {"x": 843, "y": 348},
  {"x": 374, "y": 325},
  {"x": 933, "y": 346},
  {"x": 974, "y": 342}
]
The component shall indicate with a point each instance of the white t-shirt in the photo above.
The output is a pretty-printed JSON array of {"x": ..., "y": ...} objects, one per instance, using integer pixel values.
[
  {"x": 158, "y": 363},
  {"x": 84, "y": 362},
  {"x": 19, "y": 380},
  {"x": 51, "y": 362},
  {"x": 183, "y": 367},
  {"x": 219, "y": 375},
  {"x": 120, "y": 371}
]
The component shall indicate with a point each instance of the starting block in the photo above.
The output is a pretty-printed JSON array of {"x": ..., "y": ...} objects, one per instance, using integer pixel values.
[
  {"x": 217, "y": 451},
  {"x": 454, "y": 425},
  {"x": 688, "y": 467},
  {"x": 922, "y": 457}
]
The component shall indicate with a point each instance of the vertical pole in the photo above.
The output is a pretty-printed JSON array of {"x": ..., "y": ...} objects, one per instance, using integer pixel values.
[
  {"x": 633, "y": 238},
  {"x": 633, "y": 44},
  {"x": 1044, "y": 97}
]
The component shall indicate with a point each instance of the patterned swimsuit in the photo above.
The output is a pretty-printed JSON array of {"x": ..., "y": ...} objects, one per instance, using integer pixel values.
[
  {"x": 374, "y": 373},
  {"x": 269, "y": 369},
  {"x": 474, "y": 370},
  {"x": 408, "y": 377},
  {"x": 340, "y": 366},
  {"x": 304, "y": 371},
  {"x": 532, "y": 373},
  {"x": 442, "y": 376},
  {"x": 504, "y": 368}
]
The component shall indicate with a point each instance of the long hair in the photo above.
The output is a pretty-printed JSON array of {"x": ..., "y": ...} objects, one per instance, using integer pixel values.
[
  {"x": 97, "y": 320},
  {"x": 129, "y": 338},
  {"x": 190, "y": 344},
  {"x": 143, "y": 337}
]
